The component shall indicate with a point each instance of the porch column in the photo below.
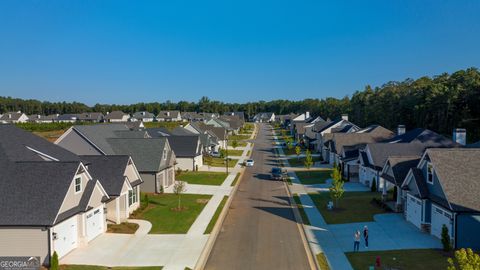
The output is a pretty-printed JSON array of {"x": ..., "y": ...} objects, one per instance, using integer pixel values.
[
  {"x": 384, "y": 188},
  {"x": 117, "y": 210},
  {"x": 398, "y": 204}
]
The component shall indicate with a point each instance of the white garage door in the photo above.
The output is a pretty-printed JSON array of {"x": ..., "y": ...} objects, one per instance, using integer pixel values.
[
  {"x": 95, "y": 222},
  {"x": 65, "y": 236},
  {"x": 439, "y": 218},
  {"x": 414, "y": 210}
]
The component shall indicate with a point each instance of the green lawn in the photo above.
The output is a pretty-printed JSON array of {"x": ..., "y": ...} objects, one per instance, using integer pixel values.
[
  {"x": 235, "y": 152},
  {"x": 322, "y": 261},
  {"x": 214, "y": 219},
  {"x": 96, "y": 267},
  {"x": 353, "y": 207},
  {"x": 160, "y": 212},
  {"x": 239, "y": 143},
  {"x": 301, "y": 210},
  {"x": 124, "y": 227},
  {"x": 167, "y": 125},
  {"x": 238, "y": 137},
  {"x": 311, "y": 177},
  {"x": 235, "y": 180},
  {"x": 219, "y": 162},
  {"x": 202, "y": 178},
  {"x": 298, "y": 162},
  {"x": 421, "y": 259}
]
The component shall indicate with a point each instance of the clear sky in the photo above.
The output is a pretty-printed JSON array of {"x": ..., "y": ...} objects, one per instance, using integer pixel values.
[{"x": 235, "y": 51}]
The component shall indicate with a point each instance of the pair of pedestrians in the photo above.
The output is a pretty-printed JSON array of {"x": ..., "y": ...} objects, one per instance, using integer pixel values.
[{"x": 356, "y": 239}]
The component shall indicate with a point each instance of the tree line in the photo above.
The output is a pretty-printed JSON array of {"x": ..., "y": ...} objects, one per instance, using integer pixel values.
[{"x": 440, "y": 103}]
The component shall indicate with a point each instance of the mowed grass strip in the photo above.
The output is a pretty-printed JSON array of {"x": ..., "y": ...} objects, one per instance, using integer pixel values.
[
  {"x": 97, "y": 267},
  {"x": 353, "y": 207},
  {"x": 311, "y": 177},
  {"x": 235, "y": 180},
  {"x": 214, "y": 219},
  {"x": 322, "y": 261},
  {"x": 124, "y": 227},
  {"x": 161, "y": 212},
  {"x": 238, "y": 137},
  {"x": 239, "y": 143},
  {"x": 419, "y": 259},
  {"x": 300, "y": 162},
  {"x": 219, "y": 162},
  {"x": 235, "y": 152},
  {"x": 303, "y": 214},
  {"x": 202, "y": 178}
]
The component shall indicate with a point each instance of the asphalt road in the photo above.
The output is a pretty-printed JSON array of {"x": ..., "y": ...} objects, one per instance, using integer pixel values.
[{"x": 260, "y": 231}]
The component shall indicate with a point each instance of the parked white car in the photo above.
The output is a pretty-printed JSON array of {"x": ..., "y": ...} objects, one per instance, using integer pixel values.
[{"x": 249, "y": 163}]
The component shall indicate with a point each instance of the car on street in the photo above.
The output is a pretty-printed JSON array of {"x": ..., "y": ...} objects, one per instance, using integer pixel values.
[
  {"x": 249, "y": 163},
  {"x": 278, "y": 173},
  {"x": 215, "y": 154}
]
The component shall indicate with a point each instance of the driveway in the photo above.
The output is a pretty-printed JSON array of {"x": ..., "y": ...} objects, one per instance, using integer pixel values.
[{"x": 387, "y": 232}]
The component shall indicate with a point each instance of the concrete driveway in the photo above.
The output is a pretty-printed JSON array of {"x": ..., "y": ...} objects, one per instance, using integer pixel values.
[{"x": 387, "y": 232}]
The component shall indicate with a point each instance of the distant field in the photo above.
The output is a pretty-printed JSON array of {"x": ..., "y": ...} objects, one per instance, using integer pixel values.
[
  {"x": 167, "y": 125},
  {"x": 50, "y": 135}
]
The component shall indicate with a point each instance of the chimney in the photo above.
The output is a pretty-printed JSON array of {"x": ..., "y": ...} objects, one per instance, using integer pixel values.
[
  {"x": 345, "y": 117},
  {"x": 168, "y": 113},
  {"x": 307, "y": 115},
  {"x": 460, "y": 136},
  {"x": 143, "y": 113},
  {"x": 401, "y": 129},
  {"x": 108, "y": 113},
  {"x": 9, "y": 115}
]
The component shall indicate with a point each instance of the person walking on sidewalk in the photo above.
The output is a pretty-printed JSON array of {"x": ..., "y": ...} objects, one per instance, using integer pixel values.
[
  {"x": 365, "y": 235},
  {"x": 356, "y": 241}
]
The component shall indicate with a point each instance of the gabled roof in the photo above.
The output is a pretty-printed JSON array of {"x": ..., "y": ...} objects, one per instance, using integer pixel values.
[
  {"x": 182, "y": 145},
  {"x": 343, "y": 126},
  {"x": 11, "y": 116},
  {"x": 109, "y": 170},
  {"x": 219, "y": 132},
  {"x": 420, "y": 182},
  {"x": 339, "y": 140},
  {"x": 27, "y": 198},
  {"x": 90, "y": 116},
  {"x": 424, "y": 136},
  {"x": 458, "y": 171},
  {"x": 380, "y": 152},
  {"x": 181, "y": 131},
  {"x": 39, "y": 117},
  {"x": 400, "y": 167},
  {"x": 234, "y": 121},
  {"x": 117, "y": 115},
  {"x": 19, "y": 145},
  {"x": 146, "y": 153},
  {"x": 168, "y": 114},
  {"x": 240, "y": 115},
  {"x": 67, "y": 117},
  {"x": 143, "y": 114}
]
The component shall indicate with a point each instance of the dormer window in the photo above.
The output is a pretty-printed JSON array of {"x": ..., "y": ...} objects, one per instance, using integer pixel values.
[
  {"x": 429, "y": 173},
  {"x": 78, "y": 184}
]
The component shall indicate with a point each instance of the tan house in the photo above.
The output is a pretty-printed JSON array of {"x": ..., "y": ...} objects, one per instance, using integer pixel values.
[{"x": 50, "y": 202}]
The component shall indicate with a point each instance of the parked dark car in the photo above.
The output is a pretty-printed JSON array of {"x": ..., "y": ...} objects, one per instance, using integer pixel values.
[{"x": 278, "y": 173}]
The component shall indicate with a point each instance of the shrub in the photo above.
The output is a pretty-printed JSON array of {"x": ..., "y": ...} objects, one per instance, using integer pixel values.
[
  {"x": 447, "y": 246},
  {"x": 373, "y": 188},
  {"x": 54, "y": 261}
]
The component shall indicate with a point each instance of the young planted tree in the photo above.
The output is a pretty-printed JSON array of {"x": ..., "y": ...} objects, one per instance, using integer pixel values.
[
  {"x": 447, "y": 245},
  {"x": 465, "y": 259},
  {"x": 336, "y": 190},
  {"x": 308, "y": 160},
  {"x": 54, "y": 261},
  {"x": 373, "y": 188},
  {"x": 178, "y": 189},
  {"x": 234, "y": 144},
  {"x": 298, "y": 151}
]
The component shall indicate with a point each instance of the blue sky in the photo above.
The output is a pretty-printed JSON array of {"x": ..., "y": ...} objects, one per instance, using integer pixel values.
[{"x": 235, "y": 51}]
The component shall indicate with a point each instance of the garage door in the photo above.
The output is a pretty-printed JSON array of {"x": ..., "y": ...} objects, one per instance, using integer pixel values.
[
  {"x": 65, "y": 236},
  {"x": 95, "y": 221},
  {"x": 439, "y": 218},
  {"x": 414, "y": 211}
]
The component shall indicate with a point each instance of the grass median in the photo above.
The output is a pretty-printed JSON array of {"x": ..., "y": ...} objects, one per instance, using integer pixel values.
[
  {"x": 161, "y": 212},
  {"x": 219, "y": 162},
  {"x": 300, "y": 208},
  {"x": 214, "y": 219},
  {"x": 202, "y": 178}
]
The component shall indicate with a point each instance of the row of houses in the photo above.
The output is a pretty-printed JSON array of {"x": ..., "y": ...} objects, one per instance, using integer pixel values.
[
  {"x": 60, "y": 196},
  {"x": 433, "y": 180},
  {"x": 119, "y": 116}
]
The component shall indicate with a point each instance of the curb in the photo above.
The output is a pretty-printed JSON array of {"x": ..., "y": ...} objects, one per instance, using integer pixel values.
[{"x": 202, "y": 260}]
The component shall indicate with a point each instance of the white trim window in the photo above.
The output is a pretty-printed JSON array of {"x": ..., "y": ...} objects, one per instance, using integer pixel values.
[
  {"x": 429, "y": 173},
  {"x": 133, "y": 196},
  {"x": 78, "y": 185},
  {"x": 164, "y": 154}
]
